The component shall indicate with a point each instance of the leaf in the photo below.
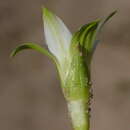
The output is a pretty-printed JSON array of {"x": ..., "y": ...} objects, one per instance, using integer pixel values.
[
  {"x": 33, "y": 46},
  {"x": 86, "y": 36},
  {"x": 57, "y": 35},
  {"x": 102, "y": 22}
]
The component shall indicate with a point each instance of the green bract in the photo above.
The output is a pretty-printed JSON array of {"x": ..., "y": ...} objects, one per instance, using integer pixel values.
[{"x": 72, "y": 55}]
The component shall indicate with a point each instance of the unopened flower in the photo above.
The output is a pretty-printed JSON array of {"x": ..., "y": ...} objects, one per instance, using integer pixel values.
[{"x": 72, "y": 55}]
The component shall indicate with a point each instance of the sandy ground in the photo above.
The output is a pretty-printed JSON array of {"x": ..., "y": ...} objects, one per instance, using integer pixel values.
[{"x": 30, "y": 94}]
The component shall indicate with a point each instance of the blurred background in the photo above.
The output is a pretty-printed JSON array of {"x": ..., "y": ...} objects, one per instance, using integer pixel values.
[{"x": 30, "y": 94}]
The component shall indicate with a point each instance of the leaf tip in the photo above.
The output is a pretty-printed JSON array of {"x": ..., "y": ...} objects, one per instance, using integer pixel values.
[
  {"x": 12, "y": 54},
  {"x": 46, "y": 13},
  {"x": 113, "y": 13},
  {"x": 16, "y": 50}
]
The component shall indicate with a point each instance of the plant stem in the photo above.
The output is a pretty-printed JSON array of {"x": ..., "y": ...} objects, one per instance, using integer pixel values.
[
  {"x": 79, "y": 114},
  {"x": 76, "y": 88}
]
